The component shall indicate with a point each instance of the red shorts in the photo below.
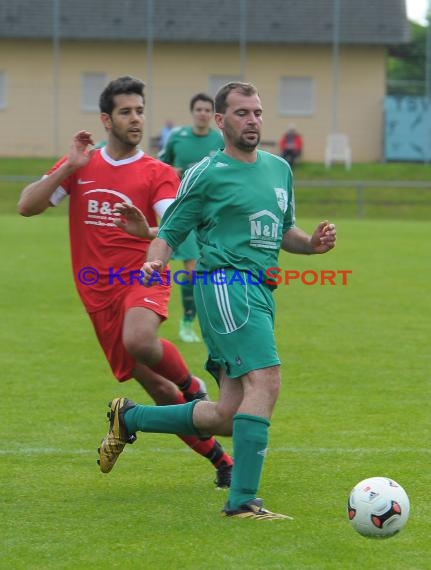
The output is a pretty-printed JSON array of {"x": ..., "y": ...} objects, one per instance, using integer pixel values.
[{"x": 108, "y": 323}]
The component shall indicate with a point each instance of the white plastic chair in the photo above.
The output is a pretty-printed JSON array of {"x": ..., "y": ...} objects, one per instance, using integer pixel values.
[{"x": 338, "y": 150}]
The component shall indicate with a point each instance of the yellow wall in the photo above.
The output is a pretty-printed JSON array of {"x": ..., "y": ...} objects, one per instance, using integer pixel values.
[{"x": 36, "y": 122}]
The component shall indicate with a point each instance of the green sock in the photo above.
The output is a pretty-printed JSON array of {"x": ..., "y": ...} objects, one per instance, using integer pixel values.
[
  {"x": 189, "y": 307},
  {"x": 176, "y": 419},
  {"x": 250, "y": 442}
]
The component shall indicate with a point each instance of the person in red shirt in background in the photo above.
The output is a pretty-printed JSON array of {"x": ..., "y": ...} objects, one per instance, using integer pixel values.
[
  {"x": 290, "y": 145},
  {"x": 106, "y": 260}
]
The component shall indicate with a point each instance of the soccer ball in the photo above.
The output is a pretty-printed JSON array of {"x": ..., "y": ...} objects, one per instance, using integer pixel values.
[{"x": 378, "y": 507}]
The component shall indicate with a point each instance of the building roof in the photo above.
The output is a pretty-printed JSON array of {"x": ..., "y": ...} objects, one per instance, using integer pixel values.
[{"x": 373, "y": 22}]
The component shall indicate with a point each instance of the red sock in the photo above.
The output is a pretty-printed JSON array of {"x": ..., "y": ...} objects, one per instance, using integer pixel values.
[
  {"x": 173, "y": 367},
  {"x": 209, "y": 448}
]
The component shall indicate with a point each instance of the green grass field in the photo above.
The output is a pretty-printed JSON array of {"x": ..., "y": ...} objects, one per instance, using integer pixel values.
[{"x": 354, "y": 403}]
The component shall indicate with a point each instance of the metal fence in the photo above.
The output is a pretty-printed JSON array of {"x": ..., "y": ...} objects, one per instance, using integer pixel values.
[
  {"x": 390, "y": 194},
  {"x": 354, "y": 198}
]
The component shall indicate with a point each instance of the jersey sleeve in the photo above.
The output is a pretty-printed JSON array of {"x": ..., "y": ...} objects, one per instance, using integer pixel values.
[
  {"x": 289, "y": 220},
  {"x": 184, "y": 214},
  {"x": 58, "y": 196},
  {"x": 61, "y": 191},
  {"x": 165, "y": 184}
]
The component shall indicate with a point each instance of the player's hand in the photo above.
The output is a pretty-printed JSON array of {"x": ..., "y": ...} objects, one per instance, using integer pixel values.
[
  {"x": 79, "y": 153},
  {"x": 132, "y": 221},
  {"x": 151, "y": 271},
  {"x": 324, "y": 237}
]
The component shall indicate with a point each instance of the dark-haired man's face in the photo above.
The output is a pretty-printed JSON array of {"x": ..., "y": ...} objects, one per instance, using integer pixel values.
[
  {"x": 242, "y": 121},
  {"x": 126, "y": 124},
  {"x": 202, "y": 113}
]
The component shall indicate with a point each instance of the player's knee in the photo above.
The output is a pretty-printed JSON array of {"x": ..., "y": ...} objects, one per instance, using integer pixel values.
[
  {"x": 211, "y": 417},
  {"x": 264, "y": 386},
  {"x": 273, "y": 387},
  {"x": 225, "y": 421},
  {"x": 140, "y": 347}
]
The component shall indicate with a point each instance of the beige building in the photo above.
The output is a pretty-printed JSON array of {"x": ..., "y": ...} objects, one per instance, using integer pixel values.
[{"x": 319, "y": 64}]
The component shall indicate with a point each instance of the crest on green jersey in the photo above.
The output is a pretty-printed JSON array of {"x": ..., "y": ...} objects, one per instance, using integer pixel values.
[{"x": 281, "y": 194}]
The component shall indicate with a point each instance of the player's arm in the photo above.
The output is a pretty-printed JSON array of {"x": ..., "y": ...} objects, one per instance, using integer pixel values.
[
  {"x": 35, "y": 198},
  {"x": 133, "y": 221},
  {"x": 158, "y": 256},
  {"x": 322, "y": 239},
  {"x": 185, "y": 213},
  {"x": 180, "y": 217}
]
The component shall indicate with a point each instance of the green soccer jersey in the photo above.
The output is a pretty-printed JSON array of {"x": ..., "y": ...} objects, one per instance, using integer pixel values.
[
  {"x": 240, "y": 212},
  {"x": 184, "y": 148}
]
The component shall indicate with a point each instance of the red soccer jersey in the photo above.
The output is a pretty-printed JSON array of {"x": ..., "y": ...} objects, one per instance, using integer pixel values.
[{"x": 96, "y": 243}]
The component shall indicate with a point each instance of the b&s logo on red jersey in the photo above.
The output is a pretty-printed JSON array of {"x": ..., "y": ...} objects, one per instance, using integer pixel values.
[{"x": 101, "y": 206}]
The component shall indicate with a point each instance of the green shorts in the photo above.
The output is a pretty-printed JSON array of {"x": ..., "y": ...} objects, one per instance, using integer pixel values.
[
  {"x": 188, "y": 249},
  {"x": 237, "y": 323}
]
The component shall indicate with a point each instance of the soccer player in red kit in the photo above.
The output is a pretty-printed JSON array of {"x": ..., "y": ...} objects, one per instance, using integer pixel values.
[{"x": 106, "y": 260}]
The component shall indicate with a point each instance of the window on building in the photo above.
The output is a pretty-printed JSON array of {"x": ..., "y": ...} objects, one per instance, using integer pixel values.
[
  {"x": 3, "y": 89},
  {"x": 92, "y": 84},
  {"x": 217, "y": 81},
  {"x": 296, "y": 96}
]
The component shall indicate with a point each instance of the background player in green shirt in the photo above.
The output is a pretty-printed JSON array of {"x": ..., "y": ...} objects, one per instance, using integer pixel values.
[
  {"x": 185, "y": 147},
  {"x": 241, "y": 203}
]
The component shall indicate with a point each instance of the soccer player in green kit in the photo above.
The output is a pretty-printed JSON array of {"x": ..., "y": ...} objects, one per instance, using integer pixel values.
[
  {"x": 241, "y": 203},
  {"x": 185, "y": 147}
]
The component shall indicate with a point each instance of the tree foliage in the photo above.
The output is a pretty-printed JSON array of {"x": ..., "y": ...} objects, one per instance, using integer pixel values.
[{"x": 407, "y": 64}]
